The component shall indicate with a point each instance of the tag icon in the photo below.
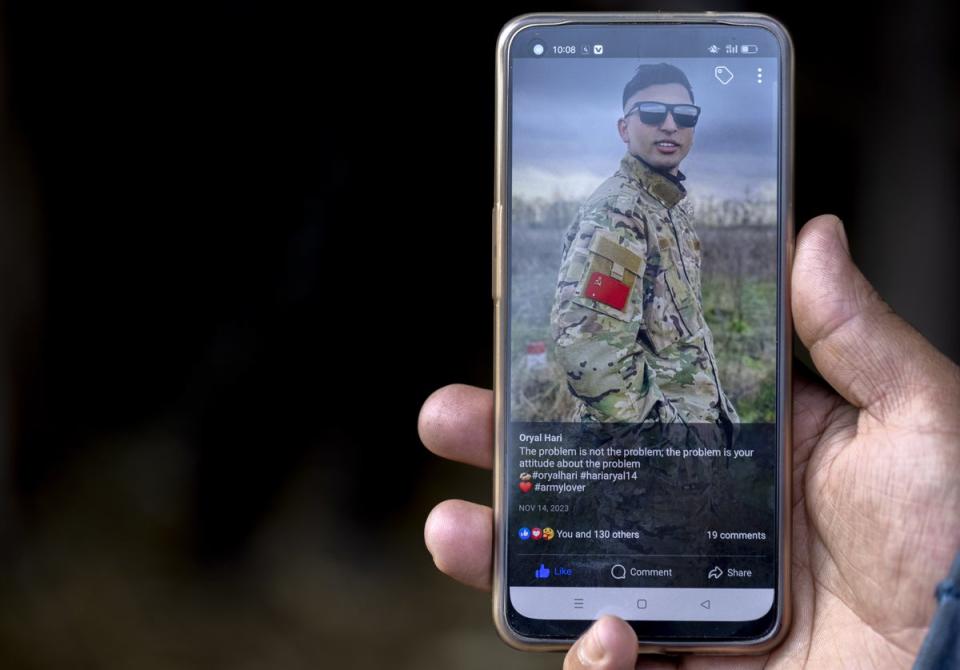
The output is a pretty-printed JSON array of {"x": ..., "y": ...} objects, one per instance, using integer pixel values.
[{"x": 723, "y": 74}]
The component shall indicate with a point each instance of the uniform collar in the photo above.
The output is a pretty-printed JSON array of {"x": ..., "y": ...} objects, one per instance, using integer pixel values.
[{"x": 665, "y": 188}]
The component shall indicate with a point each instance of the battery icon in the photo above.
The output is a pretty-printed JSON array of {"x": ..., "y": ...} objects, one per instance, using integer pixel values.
[{"x": 748, "y": 48}]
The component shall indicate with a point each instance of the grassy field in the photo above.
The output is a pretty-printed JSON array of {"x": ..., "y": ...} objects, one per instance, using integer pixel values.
[{"x": 739, "y": 296}]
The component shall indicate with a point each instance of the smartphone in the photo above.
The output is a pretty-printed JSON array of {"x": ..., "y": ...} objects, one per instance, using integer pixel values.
[{"x": 642, "y": 244}]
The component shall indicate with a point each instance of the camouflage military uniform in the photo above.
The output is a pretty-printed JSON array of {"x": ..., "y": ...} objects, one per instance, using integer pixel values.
[{"x": 628, "y": 318}]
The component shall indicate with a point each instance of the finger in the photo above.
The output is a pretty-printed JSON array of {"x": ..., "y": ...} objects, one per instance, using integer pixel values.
[
  {"x": 872, "y": 357},
  {"x": 456, "y": 422},
  {"x": 609, "y": 644},
  {"x": 660, "y": 662},
  {"x": 459, "y": 536}
]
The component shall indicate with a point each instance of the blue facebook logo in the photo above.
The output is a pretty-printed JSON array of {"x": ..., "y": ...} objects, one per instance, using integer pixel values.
[
  {"x": 542, "y": 573},
  {"x": 524, "y": 533}
]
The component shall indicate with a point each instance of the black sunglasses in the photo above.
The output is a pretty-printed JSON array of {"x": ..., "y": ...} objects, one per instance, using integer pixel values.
[{"x": 655, "y": 113}]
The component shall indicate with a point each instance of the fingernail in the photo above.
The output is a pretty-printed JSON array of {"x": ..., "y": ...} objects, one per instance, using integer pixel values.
[
  {"x": 591, "y": 649},
  {"x": 842, "y": 234}
]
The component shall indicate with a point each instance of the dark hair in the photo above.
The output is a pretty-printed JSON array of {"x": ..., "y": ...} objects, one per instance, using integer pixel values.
[{"x": 661, "y": 73}]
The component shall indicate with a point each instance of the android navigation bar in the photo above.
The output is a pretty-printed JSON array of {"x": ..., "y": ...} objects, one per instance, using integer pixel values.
[{"x": 641, "y": 604}]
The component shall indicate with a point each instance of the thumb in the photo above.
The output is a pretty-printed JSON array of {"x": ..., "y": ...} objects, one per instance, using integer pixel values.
[
  {"x": 870, "y": 356},
  {"x": 609, "y": 644}
]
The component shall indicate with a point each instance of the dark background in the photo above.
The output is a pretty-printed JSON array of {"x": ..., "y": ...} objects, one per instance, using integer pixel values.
[{"x": 241, "y": 244}]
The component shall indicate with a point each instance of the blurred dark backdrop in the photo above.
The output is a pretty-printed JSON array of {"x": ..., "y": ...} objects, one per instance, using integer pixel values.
[{"x": 241, "y": 244}]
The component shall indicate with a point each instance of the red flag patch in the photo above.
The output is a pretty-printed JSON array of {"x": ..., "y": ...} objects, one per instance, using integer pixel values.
[{"x": 604, "y": 288}]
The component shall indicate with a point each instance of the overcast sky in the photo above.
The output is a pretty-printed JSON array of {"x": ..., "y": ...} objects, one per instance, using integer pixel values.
[{"x": 565, "y": 112}]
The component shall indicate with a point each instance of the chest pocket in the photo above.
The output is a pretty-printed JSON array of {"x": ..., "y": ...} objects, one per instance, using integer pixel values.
[
  {"x": 689, "y": 243},
  {"x": 610, "y": 269},
  {"x": 670, "y": 308}
]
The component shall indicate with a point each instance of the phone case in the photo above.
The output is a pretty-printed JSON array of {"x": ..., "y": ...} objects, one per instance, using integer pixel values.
[{"x": 501, "y": 348}]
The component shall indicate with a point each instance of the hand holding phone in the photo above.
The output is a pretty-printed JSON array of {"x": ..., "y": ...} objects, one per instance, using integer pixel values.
[{"x": 875, "y": 467}]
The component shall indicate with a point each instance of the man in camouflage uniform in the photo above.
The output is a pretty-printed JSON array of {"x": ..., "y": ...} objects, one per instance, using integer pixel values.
[{"x": 628, "y": 318}]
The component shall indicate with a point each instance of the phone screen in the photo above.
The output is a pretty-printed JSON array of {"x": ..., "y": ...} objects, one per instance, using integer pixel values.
[{"x": 644, "y": 330}]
